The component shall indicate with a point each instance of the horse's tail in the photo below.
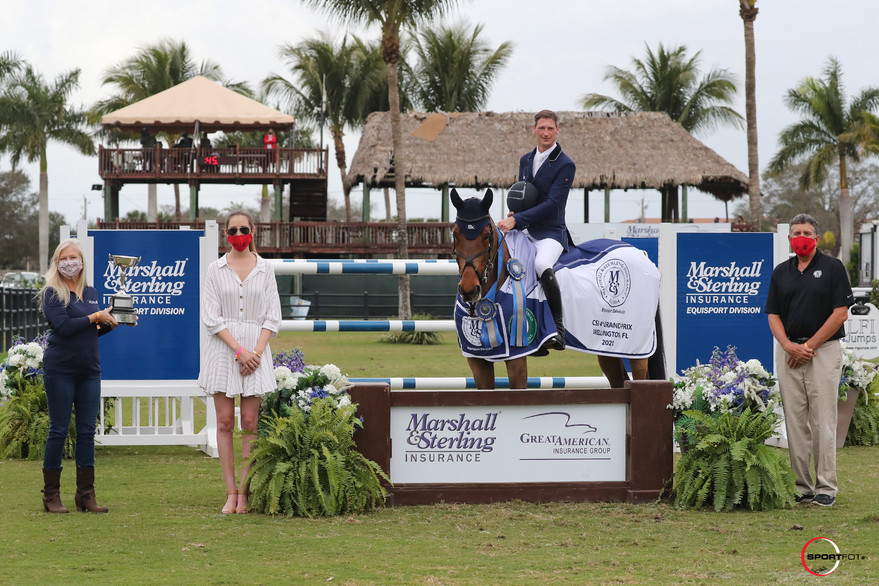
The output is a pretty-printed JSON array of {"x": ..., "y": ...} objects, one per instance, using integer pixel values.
[{"x": 656, "y": 362}]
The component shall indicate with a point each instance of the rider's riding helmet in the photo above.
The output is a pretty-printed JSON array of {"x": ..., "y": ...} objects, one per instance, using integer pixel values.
[{"x": 521, "y": 196}]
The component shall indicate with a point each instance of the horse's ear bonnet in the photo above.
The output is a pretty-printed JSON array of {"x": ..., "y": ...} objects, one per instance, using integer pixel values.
[
  {"x": 473, "y": 214},
  {"x": 521, "y": 196}
]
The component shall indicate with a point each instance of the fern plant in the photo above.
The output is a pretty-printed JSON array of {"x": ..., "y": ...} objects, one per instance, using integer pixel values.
[
  {"x": 24, "y": 423},
  {"x": 864, "y": 428},
  {"x": 308, "y": 466},
  {"x": 730, "y": 466}
]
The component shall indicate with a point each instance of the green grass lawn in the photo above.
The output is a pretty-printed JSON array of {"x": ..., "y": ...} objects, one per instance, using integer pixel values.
[
  {"x": 363, "y": 354},
  {"x": 164, "y": 527}
]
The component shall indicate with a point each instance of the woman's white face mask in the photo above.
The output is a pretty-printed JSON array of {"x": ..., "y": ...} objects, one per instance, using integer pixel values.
[{"x": 70, "y": 268}]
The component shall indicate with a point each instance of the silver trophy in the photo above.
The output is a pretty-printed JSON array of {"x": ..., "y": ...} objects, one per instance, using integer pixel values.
[{"x": 121, "y": 303}]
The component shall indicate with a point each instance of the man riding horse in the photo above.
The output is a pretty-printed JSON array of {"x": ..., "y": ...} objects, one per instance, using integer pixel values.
[{"x": 551, "y": 171}]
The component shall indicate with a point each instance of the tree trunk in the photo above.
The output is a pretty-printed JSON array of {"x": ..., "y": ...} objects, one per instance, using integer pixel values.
[
  {"x": 339, "y": 147},
  {"x": 152, "y": 202},
  {"x": 748, "y": 13},
  {"x": 404, "y": 307},
  {"x": 177, "y": 202},
  {"x": 845, "y": 213},
  {"x": 265, "y": 205},
  {"x": 388, "y": 215},
  {"x": 44, "y": 213}
]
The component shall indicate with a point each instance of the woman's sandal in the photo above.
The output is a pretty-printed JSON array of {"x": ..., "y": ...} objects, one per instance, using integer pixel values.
[
  {"x": 246, "y": 508},
  {"x": 227, "y": 509}
]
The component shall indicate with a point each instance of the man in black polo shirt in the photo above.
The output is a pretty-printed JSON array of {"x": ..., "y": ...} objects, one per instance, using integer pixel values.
[{"x": 808, "y": 301}]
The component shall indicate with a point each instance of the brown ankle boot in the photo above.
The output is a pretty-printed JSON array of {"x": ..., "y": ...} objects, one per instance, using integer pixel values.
[
  {"x": 52, "y": 491},
  {"x": 85, "y": 491}
]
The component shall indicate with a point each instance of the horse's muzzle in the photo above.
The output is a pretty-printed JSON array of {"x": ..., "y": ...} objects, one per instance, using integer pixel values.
[{"x": 475, "y": 294}]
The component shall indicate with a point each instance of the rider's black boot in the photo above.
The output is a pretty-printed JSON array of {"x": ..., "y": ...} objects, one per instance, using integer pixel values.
[{"x": 554, "y": 298}]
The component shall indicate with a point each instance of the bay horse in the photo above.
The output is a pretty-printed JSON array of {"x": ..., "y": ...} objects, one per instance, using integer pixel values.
[{"x": 484, "y": 265}]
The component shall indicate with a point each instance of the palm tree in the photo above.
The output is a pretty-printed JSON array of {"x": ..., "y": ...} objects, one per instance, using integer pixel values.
[
  {"x": 748, "y": 12},
  {"x": 335, "y": 84},
  {"x": 391, "y": 16},
  {"x": 154, "y": 69},
  {"x": 455, "y": 68},
  {"x": 9, "y": 64},
  {"x": 667, "y": 81},
  {"x": 33, "y": 112},
  {"x": 831, "y": 130}
]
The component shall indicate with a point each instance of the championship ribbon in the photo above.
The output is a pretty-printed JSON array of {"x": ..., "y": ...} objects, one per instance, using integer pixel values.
[
  {"x": 518, "y": 323},
  {"x": 487, "y": 312}
]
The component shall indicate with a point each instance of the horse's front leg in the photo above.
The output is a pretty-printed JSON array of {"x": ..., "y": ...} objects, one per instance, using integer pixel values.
[
  {"x": 517, "y": 372},
  {"x": 483, "y": 373}
]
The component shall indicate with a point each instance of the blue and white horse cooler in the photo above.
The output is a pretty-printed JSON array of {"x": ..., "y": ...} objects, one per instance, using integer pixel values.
[
  {"x": 610, "y": 293},
  {"x": 609, "y": 290}
]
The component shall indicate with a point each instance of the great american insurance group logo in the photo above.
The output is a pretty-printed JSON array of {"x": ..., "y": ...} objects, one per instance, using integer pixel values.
[
  {"x": 569, "y": 440},
  {"x": 821, "y": 556}
]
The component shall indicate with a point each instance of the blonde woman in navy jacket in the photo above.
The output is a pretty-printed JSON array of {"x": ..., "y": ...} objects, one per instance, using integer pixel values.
[
  {"x": 72, "y": 373},
  {"x": 551, "y": 171}
]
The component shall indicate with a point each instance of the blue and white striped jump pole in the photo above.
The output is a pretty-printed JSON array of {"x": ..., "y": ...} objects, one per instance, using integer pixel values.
[
  {"x": 382, "y": 325},
  {"x": 467, "y": 383},
  {"x": 364, "y": 267}
]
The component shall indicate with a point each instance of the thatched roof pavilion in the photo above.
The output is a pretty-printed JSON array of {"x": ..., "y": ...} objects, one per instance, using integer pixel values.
[{"x": 612, "y": 151}]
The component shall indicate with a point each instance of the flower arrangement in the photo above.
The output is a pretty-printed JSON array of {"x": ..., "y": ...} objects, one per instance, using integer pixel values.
[
  {"x": 305, "y": 461},
  {"x": 24, "y": 364},
  {"x": 724, "y": 413},
  {"x": 724, "y": 385},
  {"x": 857, "y": 374},
  {"x": 302, "y": 389}
]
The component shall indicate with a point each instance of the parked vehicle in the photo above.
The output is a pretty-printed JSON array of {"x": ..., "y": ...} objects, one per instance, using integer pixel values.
[{"x": 21, "y": 280}]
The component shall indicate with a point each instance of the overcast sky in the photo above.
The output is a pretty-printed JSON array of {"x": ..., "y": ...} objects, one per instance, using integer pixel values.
[{"x": 561, "y": 51}]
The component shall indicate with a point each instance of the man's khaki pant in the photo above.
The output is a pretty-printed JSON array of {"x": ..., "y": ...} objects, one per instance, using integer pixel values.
[{"x": 809, "y": 395}]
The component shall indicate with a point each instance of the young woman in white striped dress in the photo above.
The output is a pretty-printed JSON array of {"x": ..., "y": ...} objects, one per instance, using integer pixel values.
[{"x": 241, "y": 310}]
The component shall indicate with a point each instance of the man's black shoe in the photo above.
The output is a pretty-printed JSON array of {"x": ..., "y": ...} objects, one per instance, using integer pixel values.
[
  {"x": 823, "y": 500},
  {"x": 803, "y": 499}
]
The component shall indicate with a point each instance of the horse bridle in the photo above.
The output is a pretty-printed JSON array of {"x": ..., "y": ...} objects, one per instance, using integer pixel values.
[{"x": 468, "y": 260}]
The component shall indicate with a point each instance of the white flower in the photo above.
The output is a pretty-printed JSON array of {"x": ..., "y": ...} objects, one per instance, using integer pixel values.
[
  {"x": 331, "y": 371},
  {"x": 344, "y": 400}
]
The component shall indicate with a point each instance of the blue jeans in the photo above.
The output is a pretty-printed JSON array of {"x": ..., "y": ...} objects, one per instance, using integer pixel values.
[{"x": 82, "y": 394}]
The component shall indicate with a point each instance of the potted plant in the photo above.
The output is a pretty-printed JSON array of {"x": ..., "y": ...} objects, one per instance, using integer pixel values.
[
  {"x": 24, "y": 411},
  {"x": 724, "y": 413},
  {"x": 305, "y": 462},
  {"x": 857, "y": 377},
  {"x": 725, "y": 384},
  {"x": 731, "y": 466}
]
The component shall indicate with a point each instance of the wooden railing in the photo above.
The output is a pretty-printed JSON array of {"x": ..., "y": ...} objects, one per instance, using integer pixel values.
[
  {"x": 211, "y": 164},
  {"x": 301, "y": 239}
]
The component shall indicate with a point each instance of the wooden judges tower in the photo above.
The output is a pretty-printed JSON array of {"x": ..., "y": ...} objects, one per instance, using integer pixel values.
[{"x": 199, "y": 106}]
